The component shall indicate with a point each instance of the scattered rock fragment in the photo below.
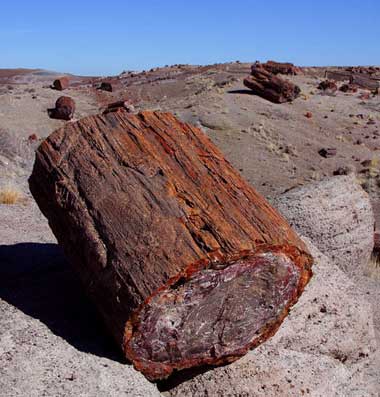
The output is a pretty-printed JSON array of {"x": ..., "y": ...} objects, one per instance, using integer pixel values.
[
  {"x": 32, "y": 138},
  {"x": 64, "y": 109},
  {"x": 327, "y": 152},
  {"x": 61, "y": 84},
  {"x": 308, "y": 115},
  {"x": 271, "y": 87}
]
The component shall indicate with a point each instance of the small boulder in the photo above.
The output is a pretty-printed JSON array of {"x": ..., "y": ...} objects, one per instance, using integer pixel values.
[
  {"x": 64, "y": 109},
  {"x": 308, "y": 115},
  {"x": 106, "y": 86},
  {"x": 61, "y": 84}
]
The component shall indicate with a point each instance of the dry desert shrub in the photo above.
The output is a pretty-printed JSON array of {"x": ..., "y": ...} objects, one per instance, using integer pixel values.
[{"x": 10, "y": 195}]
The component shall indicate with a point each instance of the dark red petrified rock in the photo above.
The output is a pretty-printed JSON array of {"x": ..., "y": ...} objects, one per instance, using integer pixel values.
[
  {"x": 61, "y": 84},
  {"x": 271, "y": 87},
  {"x": 64, "y": 109},
  {"x": 327, "y": 85},
  {"x": 186, "y": 262},
  {"x": 32, "y": 138}
]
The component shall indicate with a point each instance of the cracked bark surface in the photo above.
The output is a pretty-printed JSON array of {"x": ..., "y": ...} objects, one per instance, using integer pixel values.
[{"x": 187, "y": 264}]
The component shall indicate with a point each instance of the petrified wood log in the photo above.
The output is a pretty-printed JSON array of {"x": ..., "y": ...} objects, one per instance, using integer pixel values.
[
  {"x": 281, "y": 68},
  {"x": 187, "y": 264},
  {"x": 271, "y": 87}
]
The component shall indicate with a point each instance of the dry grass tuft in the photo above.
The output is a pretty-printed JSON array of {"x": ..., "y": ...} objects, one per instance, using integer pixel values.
[
  {"x": 10, "y": 195},
  {"x": 373, "y": 268}
]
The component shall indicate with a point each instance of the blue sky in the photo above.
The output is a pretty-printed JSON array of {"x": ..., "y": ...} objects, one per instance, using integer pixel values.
[{"x": 104, "y": 38}]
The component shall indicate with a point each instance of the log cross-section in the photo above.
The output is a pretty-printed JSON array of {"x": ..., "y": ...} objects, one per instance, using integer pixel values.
[{"x": 186, "y": 262}]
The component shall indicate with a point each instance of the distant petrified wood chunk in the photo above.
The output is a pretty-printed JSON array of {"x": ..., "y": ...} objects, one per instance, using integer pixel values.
[
  {"x": 281, "y": 68},
  {"x": 327, "y": 152},
  {"x": 187, "y": 264},
  {"x": 327, "y": 85},
  {"x": 348, "y": 88},
  {"x": 64, "y": 108},
  {"x": 106, "y": 86},
  {"x": 112, "y": 107},
  {"x": 61, "y": 84},
  {"x": 271, "y": 87}
]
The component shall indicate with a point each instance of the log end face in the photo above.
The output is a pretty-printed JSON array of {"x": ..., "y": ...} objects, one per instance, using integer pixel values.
[{"x": 215, "y": 315}]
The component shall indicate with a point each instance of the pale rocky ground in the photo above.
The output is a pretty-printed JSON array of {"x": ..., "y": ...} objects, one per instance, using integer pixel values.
[{"x": 51, "y": 341}]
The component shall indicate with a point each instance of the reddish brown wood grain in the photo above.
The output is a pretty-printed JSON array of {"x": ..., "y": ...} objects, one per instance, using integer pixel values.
[{"x": 145, "y": 207}]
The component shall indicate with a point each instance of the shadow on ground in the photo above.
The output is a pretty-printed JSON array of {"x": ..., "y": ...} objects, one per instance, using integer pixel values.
[
  {"x": 248, "y": 92},
  {"x": 36, "y": 279}
]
